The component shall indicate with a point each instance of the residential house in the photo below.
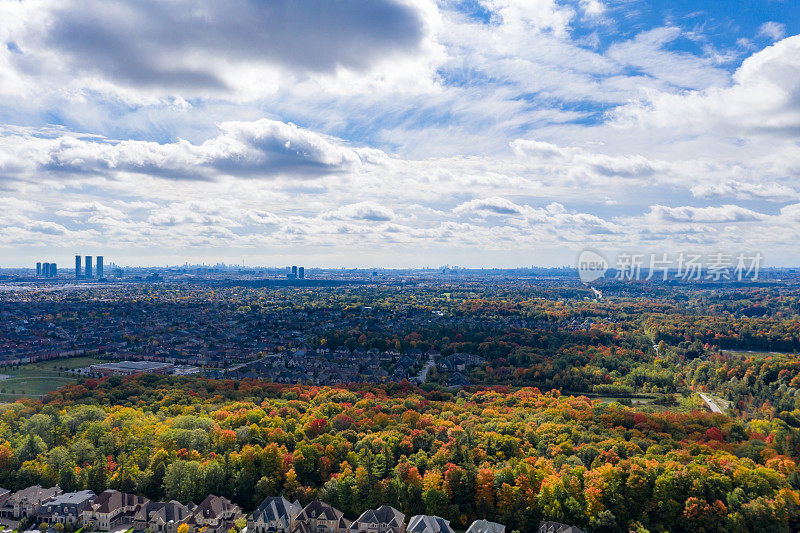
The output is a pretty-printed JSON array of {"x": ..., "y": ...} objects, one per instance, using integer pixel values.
[
  {"x": 5, "y": 494},
  {"x": 161, "y": 517},
  {"x": 26, "y": 502},
  {"x": 384, "y": 519},
  {"x": 555, "y": 527},
  {"x": 428, "y": 524},
  {"x": 216, "y": 514},
  {"x": 65, "y": 508},
  {"x": 319, "y": 517},
  {"x": 273, "y": 515},
  {"x": 484, "y": 526},
  {"x": 112, "y": 508}
]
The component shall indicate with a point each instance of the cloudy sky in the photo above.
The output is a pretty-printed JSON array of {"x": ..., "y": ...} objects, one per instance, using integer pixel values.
[{"x": 397, "y": 132}]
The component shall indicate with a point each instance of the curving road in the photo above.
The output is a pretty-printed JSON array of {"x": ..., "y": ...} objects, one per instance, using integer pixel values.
[{"x": 711, "y": 404}]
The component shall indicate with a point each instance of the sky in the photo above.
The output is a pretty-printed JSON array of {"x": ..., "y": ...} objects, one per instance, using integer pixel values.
[{"x": 397, "y": 133}]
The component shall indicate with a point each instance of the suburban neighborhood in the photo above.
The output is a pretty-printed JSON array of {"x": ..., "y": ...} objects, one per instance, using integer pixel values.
[{"x": 42, "y": 510}]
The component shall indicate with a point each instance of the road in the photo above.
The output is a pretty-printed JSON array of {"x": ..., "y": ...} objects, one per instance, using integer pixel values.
[
  {"x": 710, "y": 403},
  {"x": 423, "y": 374}
]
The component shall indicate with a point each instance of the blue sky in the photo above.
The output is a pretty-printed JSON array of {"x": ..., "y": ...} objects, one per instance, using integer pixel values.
[{"x": 397, "y": 132}]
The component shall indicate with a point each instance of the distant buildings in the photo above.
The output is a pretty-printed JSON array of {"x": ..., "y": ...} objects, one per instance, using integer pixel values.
[
  {"x": 296, "y": 273},
  {"x": 50, "y": 270},
  {"x": 128, "y": 368},
  {"x": 46, "y": 270}
]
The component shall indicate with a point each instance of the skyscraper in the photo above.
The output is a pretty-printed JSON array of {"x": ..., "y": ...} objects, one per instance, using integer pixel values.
[
  {"x": 301, "y": 272},
  {"x": 88, "y": 266},
  {"x": 45, "y": 270},
  {"x": 39, "y": 269},
  {"x": 77, "y": 267},
  {"x": 99, "y": 266},
  {"x": 53, "y": 270},
  {"x": 294, "y": 271}
]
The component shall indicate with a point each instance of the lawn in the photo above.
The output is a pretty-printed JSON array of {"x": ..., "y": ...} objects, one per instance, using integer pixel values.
[
  {"x": 37, "y": 379},
  {"x": 746, "y": 353}
]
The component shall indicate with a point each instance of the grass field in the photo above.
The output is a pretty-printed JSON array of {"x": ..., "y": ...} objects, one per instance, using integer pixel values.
[
  {"x": 745, "y": 353},
  {"x": 37, "y": 379}
]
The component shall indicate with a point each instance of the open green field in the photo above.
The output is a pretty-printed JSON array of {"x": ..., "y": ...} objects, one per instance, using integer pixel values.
[
  {"x": 746, "y": 353},
  {"x": 37, "y": 379}
]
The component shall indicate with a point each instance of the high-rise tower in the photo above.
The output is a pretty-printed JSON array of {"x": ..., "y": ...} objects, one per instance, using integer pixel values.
[
  {"x": 99, "y": 266},
  {"x": 39, "y": 269},
  {"x": 88, "y": 270},
  {"x": 77, "y": 267}
]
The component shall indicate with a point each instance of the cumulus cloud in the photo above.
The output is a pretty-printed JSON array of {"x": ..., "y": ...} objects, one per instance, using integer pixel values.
[
  {"x": 489, "y": 206},
  {"x": 626, "y": 166},
  {"x": 182, "y": 44},
  {"x": 762, "y": 99},
  {"x": 264, "y": 148},
  {"x": 366, "y": 211},
  {"x": 708, "y": 215},
  {"x": 775, "y": 192},
  {"x": 46, "y": 227}
]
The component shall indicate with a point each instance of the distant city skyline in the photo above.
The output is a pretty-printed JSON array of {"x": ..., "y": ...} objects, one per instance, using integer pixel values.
[{"x": 483, "y": 133}]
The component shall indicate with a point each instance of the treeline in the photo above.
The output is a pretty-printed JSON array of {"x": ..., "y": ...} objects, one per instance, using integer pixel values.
[{"x": 514, "y": 457}]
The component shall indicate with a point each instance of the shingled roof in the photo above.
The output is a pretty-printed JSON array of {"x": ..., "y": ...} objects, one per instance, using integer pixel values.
[
  {"x": 428, "y": 524},
  {"x": 385, "y": 514},
  {"x": 276, "y": 509}
]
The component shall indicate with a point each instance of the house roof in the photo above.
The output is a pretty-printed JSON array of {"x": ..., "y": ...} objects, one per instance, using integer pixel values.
[
  {"x": 109, "y": 500},
  {"x": 36, "y": 493},
  {"x": 273, "y": 509},
  {"x": 555, "y": 527},
  {"x": 318, "y": 510},
  {"x": 164, "y": 512},
  {"x": 484, "y": 526},
  {"x": 428, "y": 524},
  {"x": 385, "y": 514},
  {"x": 214, "y": 506},
  {"x": 71, "y": 498}
]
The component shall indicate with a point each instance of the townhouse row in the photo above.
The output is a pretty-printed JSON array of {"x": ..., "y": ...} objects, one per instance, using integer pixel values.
[
  {"x": 215, "y": 514},
  {"x": 112, "y": 508}
]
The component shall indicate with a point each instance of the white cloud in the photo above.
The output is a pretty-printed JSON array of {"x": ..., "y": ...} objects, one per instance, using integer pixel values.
[
  {"x": 772, "y": 30},
  {"x": 366, "y": 211},
  {"x": 708, "y": 215},
  {"x": 768, "y": 191},
  {"x": 762, "y": 99}
]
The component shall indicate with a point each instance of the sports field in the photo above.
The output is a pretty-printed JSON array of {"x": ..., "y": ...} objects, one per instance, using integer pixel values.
[{"x": 37, "y": 379}]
